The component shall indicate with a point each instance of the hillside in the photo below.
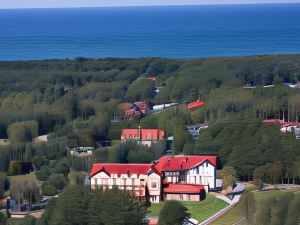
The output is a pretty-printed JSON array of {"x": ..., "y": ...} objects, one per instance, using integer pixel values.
[{"x": 81, "y": 103}]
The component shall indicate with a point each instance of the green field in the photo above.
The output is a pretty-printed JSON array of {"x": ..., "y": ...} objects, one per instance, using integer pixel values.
[
  {"x": 235, "y": 214},
  {"x": 198, "y": 210}
]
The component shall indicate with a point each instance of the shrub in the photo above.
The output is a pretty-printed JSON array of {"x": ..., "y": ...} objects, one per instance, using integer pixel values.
[
  {"x": 42, "y": 175},
  {"x": 48, "y": 189},
  {"x": 57, "y": 180},
  {"x": 39, "y": 161},
  {"x": 62, "y": 167}
]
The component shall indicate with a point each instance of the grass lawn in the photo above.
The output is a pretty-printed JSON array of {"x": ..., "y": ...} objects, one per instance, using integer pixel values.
[
  {"x": 235, "y": 214},
  {"x": 198, "y": 210}
]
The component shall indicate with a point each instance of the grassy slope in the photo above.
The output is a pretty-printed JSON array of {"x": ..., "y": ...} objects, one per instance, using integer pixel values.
[
  {"x": 198, "y": 210},
  {"x": 235, "y": 215}
]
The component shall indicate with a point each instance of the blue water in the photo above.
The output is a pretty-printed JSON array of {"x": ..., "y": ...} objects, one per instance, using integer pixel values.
[{"x": 173, "y": 31}]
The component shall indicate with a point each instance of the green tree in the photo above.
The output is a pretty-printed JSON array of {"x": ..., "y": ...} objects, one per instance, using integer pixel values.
[
  {"x": 27, "y": 190},
  {"x": 140, "y": 89},
  {"x": 62, "y": 167},
  {"x": 173, "y": 213},
  {"x": 42, "y": 175},
  {"x": 123, "y": 207},
  {"x": 96, "y": 207},
  {"x": 258, "y": 177},
  {"x": 57, "y": 180},
  {"x": 140, "y": 156},
  {"x": 22, "y": 131},
  {"x": 2, "y": 219},
  {"x": 181, "y": 137},
  {"x": 229, "y": 176},
  {"x": 49, "y": 189},
  {"x": 71, "y": 207},
  {"x": 39, "y": 161}
]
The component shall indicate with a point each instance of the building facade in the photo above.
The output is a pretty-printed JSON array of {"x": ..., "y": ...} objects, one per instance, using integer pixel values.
[
  {"x": 143, "y": 136},
  {"x": 180, "y": 177}
]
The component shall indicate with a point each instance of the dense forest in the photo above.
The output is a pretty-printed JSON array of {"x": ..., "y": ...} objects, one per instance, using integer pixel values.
[{"x": 75, "y": 103}]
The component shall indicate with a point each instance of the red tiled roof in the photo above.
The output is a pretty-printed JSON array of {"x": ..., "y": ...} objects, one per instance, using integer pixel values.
[
  {"x": 151, "y": 78},
  {"x": 183, "y": 188},
  {"x": 272, "y": 121},
  {"x": 182, "y": 162},
  {"x": 153, "y": 221},
  {"x": 115, "y": 168},
  {"x": 196, "y": 104},
  {"x": 146, "y": 134}
]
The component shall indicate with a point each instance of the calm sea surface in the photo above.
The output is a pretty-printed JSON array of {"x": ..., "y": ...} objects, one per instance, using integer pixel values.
[{"x": 176, "y": 32}]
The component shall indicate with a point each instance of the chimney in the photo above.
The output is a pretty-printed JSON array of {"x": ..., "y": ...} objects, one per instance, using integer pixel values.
[{"x": 140, "y": 133}]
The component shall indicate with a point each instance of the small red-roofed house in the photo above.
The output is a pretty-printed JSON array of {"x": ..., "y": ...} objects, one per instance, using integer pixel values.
[
  {"x": 153, "y": 221},
  {"x": 184, "y": 192},
  {"x": 136, "y": 109},
  {"x": 195, "y": 105},
  {"x": 143, "y": 136},
  {"x": 151, "y": 78}
]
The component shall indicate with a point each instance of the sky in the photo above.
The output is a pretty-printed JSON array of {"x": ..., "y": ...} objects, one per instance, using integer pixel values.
[{"x": 111, "y": 3}]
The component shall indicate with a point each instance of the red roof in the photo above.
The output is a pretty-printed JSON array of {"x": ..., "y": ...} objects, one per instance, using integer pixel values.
[
  {"x": 183, "y": 188},
  {"x": 182, "y": 162},
  {"x": 143, "y": 134},
  {"x": 151, "y": 78},
  {"x": 272, "y": 121},
  {"x": 153, "y": 221},
  {"x": 115, "y": 168},
  {"x": 165, "y": 163},
  {"x": 196, "y": 104}
]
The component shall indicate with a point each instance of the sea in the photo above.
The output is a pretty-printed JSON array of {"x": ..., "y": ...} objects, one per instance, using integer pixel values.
[{"x": 158, "y": 31}]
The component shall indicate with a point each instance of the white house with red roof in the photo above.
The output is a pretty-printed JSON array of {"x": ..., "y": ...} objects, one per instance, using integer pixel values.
[
  {"x": 179, "y": 177},
  {"x": 144, "y": 136},
  {"x": 132, "y": 177}
]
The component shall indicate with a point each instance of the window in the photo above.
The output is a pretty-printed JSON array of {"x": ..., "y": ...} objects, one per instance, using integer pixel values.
[
  {"x": 105, "y": 181},
  {"x": 149, "y": 136},
  {"x": 153, "y": 185}
]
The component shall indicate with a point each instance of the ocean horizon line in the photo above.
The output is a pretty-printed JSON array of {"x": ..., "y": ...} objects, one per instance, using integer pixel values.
[
  {"x": 165, "y": 5},
  {"x": 150, "y": 57}
]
